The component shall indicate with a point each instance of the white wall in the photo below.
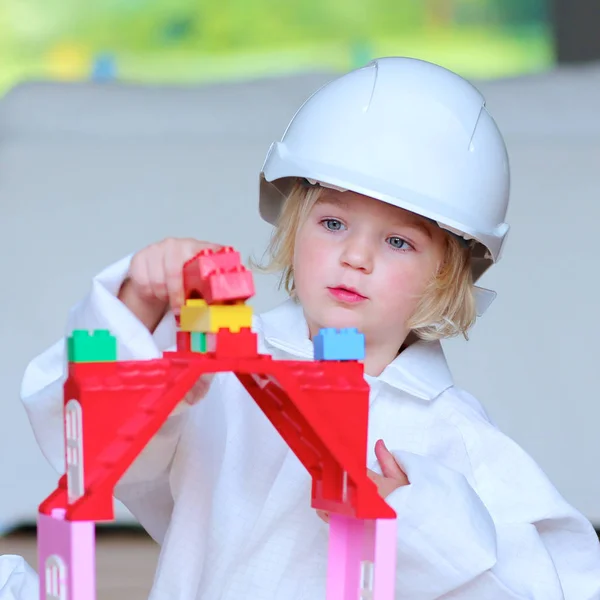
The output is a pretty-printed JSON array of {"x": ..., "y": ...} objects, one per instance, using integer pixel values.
[
  {"x": 533, "y": 359},
  {"x": 90, "y": 173}
]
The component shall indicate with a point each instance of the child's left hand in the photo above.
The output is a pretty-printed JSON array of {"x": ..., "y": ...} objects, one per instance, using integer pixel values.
[
  {"x": 391, "y": 479},
  {"x": 393, "y": 476}
]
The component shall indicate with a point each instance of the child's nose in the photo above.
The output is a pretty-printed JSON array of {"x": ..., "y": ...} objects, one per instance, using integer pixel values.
[{"x": 358, "y": 255}]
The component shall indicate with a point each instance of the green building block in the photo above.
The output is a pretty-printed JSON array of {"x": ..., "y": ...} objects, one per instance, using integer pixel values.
[
  {"x": 198, "y": 341},
  {"x": 96, "y": 346}
]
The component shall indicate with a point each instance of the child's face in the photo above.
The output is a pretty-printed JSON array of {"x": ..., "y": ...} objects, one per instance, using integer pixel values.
[{"x": 362, "y": 263}]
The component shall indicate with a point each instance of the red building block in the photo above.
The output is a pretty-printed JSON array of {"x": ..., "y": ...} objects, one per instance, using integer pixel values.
[
  {"x": 207, "y": 261},
  {"x": 184, "y": 341},
  {"x": 225, "y": 344},
  {"x": 320, "y": 409},
  {"x": 203, "y": 264},
  {"x": 111, "y": 412},
  {"x": 221, "y": 286}
]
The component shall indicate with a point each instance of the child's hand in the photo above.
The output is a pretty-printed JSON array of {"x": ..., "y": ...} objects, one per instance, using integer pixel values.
[
  {"x": 155, "y": 279},
  {"x": 393, "y": 476},
  {"x": 199, "y": 389}
]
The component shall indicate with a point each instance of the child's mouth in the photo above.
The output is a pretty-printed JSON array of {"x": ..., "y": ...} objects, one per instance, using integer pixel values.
[{"x": 347, "y": 295}]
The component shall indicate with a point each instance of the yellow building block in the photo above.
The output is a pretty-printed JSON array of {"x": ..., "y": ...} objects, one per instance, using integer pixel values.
[{"x": 199, "y": 316}]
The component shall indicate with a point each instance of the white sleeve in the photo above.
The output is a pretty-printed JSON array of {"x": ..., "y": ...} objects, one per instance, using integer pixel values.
[
  {"x": 18, "y": 581},
  {"x": 450, "y": 547},
  {"x": 144, "y": 488}
]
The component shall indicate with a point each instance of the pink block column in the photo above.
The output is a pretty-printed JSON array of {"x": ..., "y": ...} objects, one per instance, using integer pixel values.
[
  {"x": 345, "y": 554},
  {"x": 362, "y": 559},
  {"x": 384, "y": 578},
  {"x": 67, "y": 558}
]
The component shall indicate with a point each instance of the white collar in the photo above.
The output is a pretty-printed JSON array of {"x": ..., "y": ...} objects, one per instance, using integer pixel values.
[{"x": 421, "y": 370}]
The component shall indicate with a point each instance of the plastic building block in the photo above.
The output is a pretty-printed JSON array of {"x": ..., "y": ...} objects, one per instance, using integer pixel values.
[
  {"x": 384, "y": 559},
  {"x": 123, "y": 404},
  {"x": 302, "y": 399},
  {"x": 339, "y": 344},
  {"x": 66, "y": 558},
  {"x": 345, "y": 559},
  {"x": 206, "y": 262},
  {"x": 184, "y": 341},
  {"x": 198, "y": 342},
  {"x": 228, "y": 286},
  {"x": 362, "y": 558},
  {"x": 217, "y": 277},
  {"x": 225, "y": 344},
  {"x": 192, "y": 314},
  {"x": 95, "y": 346},
  {"x": 199, "y": 316}
]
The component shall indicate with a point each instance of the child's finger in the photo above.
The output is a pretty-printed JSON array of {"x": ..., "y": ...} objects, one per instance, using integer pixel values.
[
  {"x": 387, "y": 462},
  {"x": 376, "y": 478},
  {"x": 323, "y": 515},
  {"x": 173, "y": 275},
  {"x": 156, "y": 276},
  {"x": 199, "y": 389},
  {"x": 142, "y": 276}
]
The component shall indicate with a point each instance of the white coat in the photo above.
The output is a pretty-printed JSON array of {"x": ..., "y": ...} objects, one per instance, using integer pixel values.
[
  {"x": 230, "y": 503},
  {"x": 18, "y": 581}
]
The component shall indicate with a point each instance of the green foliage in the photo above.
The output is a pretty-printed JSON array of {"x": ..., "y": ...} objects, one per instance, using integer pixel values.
[
  {"x": 175, "y": 40},
  {"x": 520, "y": 12},
  {"x": 223, "y": 25}
]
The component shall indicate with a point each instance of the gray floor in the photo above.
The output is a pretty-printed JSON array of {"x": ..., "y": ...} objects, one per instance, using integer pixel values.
[{"x": 125, "y": 562}]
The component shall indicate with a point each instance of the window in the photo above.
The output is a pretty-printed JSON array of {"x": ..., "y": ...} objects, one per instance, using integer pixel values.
[
  {"x": 74, "y": 449},
  {"x": 55, "y": 575},
  {"x": 366, "y": 580}
]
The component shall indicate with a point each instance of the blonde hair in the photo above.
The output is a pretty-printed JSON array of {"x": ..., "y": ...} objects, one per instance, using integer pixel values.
[{"x": 447, "y": 307}]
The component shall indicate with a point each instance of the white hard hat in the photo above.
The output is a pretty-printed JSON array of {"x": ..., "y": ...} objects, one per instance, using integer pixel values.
[{"x": 407, "y": 132}]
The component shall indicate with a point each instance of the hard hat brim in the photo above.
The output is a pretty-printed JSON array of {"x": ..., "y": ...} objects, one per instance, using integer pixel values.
[{"x": 281, "y": 171}]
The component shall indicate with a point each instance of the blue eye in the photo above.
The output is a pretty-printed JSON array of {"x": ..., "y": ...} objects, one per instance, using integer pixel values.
[
  {"x": 398, "y": 243},
  {"x": 332, "y": 224}
]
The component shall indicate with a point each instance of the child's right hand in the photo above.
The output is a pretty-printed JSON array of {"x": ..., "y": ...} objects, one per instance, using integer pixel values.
[{"x": 154, "y": 283}]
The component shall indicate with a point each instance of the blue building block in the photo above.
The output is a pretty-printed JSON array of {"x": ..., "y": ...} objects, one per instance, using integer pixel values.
[{"x": 339, "y": 344}]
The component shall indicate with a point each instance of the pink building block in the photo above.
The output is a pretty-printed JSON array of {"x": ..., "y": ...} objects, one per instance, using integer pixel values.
[
  {"x": 362, "y": 559},
  {"x": 345, "y": 557},
  {"x": 384, "y": 559},
  {"x": 66, "y": 555}
]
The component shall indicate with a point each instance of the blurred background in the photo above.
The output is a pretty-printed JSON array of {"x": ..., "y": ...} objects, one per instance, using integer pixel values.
[
  {"x": 186, "y": 41},
  {"x": 126, "y": 121}
]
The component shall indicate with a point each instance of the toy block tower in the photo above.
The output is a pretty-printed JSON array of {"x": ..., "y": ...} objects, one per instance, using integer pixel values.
[
  {"x": 216, "y": 287},
  {"x": 112, "y": 409}
]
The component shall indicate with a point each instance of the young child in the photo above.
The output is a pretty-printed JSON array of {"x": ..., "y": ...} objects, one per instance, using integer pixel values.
[{"x": 388, "y": 191}]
